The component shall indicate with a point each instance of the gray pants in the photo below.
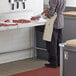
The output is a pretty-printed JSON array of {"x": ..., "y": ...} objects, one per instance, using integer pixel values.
[{"x": 53, "y": 47}]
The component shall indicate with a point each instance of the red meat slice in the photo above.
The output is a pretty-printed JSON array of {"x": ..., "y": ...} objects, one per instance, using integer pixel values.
[
  {"x": 7, "y": 21},
  {"x": 2, "y": 24},
  {"x": 15, "y": 21},
  {"x": 21, "y": 21},
  {"x": 35, "y": 18},
  {"x": 11, "y": 24}
]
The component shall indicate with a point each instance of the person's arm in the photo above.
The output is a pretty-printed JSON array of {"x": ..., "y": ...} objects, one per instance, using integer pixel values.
[
  {"x": 52, "y": 9},
  {"x": 45, "y": 11}
]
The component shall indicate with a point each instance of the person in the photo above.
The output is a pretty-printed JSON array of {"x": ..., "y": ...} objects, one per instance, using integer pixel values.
[{"x": 56, "y": 6}]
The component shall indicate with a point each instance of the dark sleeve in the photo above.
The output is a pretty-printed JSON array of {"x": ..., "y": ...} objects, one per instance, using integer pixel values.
[{"x": 52, "y": 9}]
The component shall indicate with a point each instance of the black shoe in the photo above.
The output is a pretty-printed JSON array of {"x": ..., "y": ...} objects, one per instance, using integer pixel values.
[
  {"x": 50, "y": 65},
  {"x": 58, "y": 65}
]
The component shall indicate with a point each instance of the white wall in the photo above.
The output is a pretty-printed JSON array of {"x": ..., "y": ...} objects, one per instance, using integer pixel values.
[
  {"x": 33, "y": 5},
  {"x": 71, "y": 3},
  {"x": 46, "y": 2}
]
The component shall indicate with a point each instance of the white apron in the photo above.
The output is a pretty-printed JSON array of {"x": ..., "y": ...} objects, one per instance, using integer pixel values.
[{"x": 47, "y": 35}]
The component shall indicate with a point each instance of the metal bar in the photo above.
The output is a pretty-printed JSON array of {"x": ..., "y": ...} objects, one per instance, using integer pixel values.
[
  {"x": 40, "y": 48},
  {"x": 61, "y": 58}
]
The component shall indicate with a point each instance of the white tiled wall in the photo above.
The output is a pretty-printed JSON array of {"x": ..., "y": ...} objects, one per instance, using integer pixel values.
[
  {"x": 46, "y": 2},
  {"x": 34, "y": 5}
]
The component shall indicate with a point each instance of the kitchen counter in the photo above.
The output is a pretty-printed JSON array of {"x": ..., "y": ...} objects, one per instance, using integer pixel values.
[
  {"x": 24, "y": 25},
  {"x": 35, "y": 23},
  {"x": 70, "y": 13}
]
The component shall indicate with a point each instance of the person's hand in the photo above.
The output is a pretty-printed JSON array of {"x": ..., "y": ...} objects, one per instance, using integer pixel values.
[
  {"x": 47, "y": 15},
  {"x": 45, "y": 11}
]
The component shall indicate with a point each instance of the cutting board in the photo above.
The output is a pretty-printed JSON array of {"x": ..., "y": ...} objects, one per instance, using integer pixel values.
[{"x": 70, "y": 13}]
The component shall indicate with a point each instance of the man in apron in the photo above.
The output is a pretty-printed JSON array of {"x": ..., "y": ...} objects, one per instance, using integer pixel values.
[{"x": 56, "y": 6}]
